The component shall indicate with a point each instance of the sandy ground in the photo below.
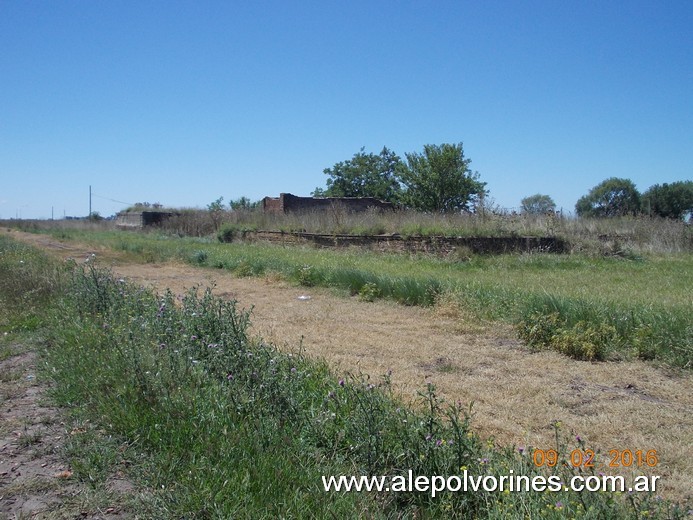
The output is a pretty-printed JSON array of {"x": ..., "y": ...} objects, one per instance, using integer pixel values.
[{"x": 516, "y": 394}]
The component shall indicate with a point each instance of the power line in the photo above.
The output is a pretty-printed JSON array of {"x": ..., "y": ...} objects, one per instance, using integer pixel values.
[{"x": 113, "y": 200}]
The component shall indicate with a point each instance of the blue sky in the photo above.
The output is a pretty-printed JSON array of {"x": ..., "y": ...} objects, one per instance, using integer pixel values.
[{"x": 184, "y": 102}]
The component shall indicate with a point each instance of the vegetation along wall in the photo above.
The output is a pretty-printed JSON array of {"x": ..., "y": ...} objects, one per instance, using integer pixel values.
[{"x": 436, "y": 245}]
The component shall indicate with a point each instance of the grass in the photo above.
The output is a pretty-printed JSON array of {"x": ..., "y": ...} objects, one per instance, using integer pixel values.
[
  {"x": 622, "y": 236},
  {"x": 219, "y": 425},
  {"x": 600, "y": 307}
]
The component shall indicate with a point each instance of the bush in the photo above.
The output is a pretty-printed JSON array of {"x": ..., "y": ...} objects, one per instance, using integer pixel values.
[
  {"x": 200, "y": 257},
  {"x": 369, "y": 292},
  {"x": 227, "y": 233},
  {"x": 584, "y": 341}
]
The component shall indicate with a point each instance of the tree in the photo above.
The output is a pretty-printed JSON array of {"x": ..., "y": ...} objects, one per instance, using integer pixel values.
[
  {"x": 673, "y": 200},
  {"x": 611, "y": 198},
  {"x": 538, "y": 204},
  {"x": 242, "y": 203},
  {"x": 365, "y": 175},
  {"x": 440, "y": 180},
  {"x": 216, "y": 212}
]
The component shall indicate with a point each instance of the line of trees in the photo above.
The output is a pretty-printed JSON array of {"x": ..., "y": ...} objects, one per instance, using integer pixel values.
[
  {"x": 615, "y": 197},
  {"x": 439, "y": 179}
]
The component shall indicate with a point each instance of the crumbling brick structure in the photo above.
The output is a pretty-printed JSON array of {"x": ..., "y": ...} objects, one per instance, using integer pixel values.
[
  {"x": 141, "y": 219},
  {"x": 288, "y": 203}
]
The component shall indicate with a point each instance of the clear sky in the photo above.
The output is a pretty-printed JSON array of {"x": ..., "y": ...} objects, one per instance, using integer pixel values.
[{"x": 184, "y": 102}]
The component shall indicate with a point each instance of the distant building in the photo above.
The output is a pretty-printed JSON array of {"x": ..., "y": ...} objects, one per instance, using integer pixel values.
[
  {"x": 141, "y": 219},
  {"x": 288, "y": 203}
]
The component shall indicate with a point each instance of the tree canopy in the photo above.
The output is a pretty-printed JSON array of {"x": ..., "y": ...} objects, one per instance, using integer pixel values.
[
  {"x": 440, "y": 180},
  {"x": 611, "y": 198},
  {"x": 538, "y": 204},
  {"x": 673, "y": 200},
  {"x": 365, "y": 175}
]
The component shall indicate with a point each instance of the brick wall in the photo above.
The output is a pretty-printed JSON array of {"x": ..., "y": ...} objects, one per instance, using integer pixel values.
[
  {"x": 286, "y": 203},
  {"x": 440, "y": 246}
]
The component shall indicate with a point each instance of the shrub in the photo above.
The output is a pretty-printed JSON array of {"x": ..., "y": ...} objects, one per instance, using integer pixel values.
[
  {"x": 308, "y": 276},
  {"x": 369, "y": 292},
  {"x": 200, "y": 256},
  {"x": 589, "y": 342},
  {"x": 538, "y": 329},
  {"x": 227, "y": 233},
  {"x": 584, "y": 341}
]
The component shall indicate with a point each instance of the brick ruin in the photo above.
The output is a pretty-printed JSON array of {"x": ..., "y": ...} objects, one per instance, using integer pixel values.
[
  {"x": 439, "y": 246},
  {"x": 288, "y": 203},
  {"x": 141, "y": 219}
]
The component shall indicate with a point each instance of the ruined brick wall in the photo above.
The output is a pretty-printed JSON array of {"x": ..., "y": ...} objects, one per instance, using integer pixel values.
[
  {"x": 440, "y": 246},
  {"x": 141, "y": 219},
  {"x": 291, "y": 203},
  {"x": 272, "y": 205}
]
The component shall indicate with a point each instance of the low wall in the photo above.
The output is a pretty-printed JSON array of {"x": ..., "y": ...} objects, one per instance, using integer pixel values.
[
  {"x": 288, "y": 203},
  {"x": 141, "y": 219},
  {"x": 441, "y": 246},
  {"x": 130, "y": 220}
]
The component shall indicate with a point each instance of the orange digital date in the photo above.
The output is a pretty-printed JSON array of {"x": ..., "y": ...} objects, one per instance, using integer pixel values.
[{"x": 585, "y": 458}]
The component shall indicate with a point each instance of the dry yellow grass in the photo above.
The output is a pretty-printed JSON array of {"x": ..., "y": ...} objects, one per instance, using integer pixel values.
[{"x": 517, "y": 394}]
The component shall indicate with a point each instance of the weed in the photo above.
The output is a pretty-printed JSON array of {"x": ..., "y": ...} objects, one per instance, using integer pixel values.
[
  {"x": 27, "y": 439},
  {"x": 307, "y": 275},
  {"x": 369, "y": 292},
  {"x": 228, "y": 426},
  {"x": 200, "y": 257}
]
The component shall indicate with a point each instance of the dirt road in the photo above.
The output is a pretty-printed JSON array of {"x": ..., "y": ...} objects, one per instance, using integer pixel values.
[{"x": 517, "y": 394}]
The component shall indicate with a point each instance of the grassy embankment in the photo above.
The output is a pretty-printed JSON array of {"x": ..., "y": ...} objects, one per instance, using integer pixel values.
[
  {"x": 586, "y": 306},
  {"x": 212, "y": 424}
]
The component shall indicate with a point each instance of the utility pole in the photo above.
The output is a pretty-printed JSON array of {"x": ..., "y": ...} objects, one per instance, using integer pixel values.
[{"x": 90, "y": 200}]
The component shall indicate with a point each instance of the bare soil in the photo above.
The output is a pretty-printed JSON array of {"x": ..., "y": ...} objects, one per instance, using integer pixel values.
[
  {"x": 35, "y": 479},
  {"x": 517, "y": 395}
]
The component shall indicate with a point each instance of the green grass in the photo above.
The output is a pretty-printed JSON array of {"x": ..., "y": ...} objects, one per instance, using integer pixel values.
[
  {"x": 214, "y": 424},
  {"x": 646, "y": 299}
]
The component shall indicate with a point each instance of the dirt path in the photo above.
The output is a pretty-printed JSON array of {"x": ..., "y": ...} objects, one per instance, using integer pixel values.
[
  {"x": 517, "y": 395},
  {"x": 35, "y": 479}
]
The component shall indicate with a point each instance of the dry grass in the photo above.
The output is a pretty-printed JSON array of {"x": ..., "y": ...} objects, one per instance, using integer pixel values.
[{"x": 517, "y": 395}]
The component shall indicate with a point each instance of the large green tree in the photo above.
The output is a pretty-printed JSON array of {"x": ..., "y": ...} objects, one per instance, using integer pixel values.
[
  {"x": 613, "y": 197},
  {"x": 673, "y": 200},
  {"x": 440, "y": 180},
  {"x": 538, "y": 204},
  {"x": 365, "y": 175}
]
